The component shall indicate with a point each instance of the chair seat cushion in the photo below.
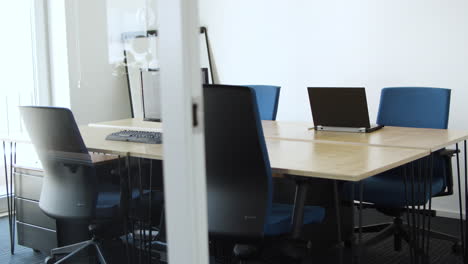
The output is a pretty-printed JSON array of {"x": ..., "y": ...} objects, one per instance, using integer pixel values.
[
  {"x": 279, "y": 221},
  {"x": 108, "y": 201},
  {"x": 388, "y": 189}
]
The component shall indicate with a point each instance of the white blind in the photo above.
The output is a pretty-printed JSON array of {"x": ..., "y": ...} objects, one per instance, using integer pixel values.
[
  {"x": 17, "y": 82},
  {"x": 17, "y": 78}
]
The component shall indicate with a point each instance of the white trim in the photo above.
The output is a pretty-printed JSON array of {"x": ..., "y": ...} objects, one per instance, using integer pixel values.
[
  {"x": 41, "y": 63},
  {"x": 449, "y": 214},
  {"x": 184, "y": 155}
]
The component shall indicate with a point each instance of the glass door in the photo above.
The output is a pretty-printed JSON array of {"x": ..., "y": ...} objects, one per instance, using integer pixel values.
[{"x": 154, "y": 49}]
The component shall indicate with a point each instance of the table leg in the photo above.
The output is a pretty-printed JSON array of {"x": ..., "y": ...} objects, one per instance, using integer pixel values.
[
  {"x": 142, "y": 233},
  {"x": 149, "y": 210},
  {"x": 361, "y": 193},
  {"x": 465, "y": 250},
  {"x": 419, "y": 200},
  {"x": 428, "y": 240},
  {"x": 10, "y": 193},
  {"x": 413, "y": 215},
  {"x": 12, "y": 179},
  {"x": 339, "y": 236},
  {"x": 410, "y": 231},
  {"x": 356, "y": 253},
  {"x": 425, "y": 233},
  {"x": 131, "y": 209},
  {"x": 299, "y": 204},
  {"x": 462, "y": 225},
  {"x": 123, "y": 205},
  {"x": 421, "y": 232}
]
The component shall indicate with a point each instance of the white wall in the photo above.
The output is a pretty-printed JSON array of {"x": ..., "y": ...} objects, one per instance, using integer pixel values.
[
  {"x": 294, "y": 44},
  {"x": 367, "y": 43},
  {"x": 97, "y": 89}
]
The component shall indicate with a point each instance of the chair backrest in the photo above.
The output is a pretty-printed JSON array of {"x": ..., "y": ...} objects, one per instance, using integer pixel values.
[
  {"x": 422, "y": 107},
  {"x": 267, "y": 100},
  {"x": 69, "y": 185},
  {"x": 237, "y": 165}
]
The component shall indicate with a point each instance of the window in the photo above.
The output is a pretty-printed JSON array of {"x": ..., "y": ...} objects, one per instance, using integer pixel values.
[{"x": 24, "y": 67}]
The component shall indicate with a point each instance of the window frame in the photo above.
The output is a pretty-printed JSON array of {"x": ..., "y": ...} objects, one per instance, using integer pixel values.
[
  {"x": 41, "y": 66},
  {"x": 41, "y": 57}
]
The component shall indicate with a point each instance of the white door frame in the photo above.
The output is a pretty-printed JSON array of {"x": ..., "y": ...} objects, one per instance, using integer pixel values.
[{"x": 184, "y": 148}]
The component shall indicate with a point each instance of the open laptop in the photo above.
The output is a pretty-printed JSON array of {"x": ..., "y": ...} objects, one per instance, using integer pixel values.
[{"x": 340, "y": 109}]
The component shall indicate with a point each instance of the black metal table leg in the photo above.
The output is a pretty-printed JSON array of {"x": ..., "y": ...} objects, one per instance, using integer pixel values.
[
  {"x": 462, "y": 224},
  {"x": 299, "y": 204},
  {"x": 9, "y": 192},
  {"x": 420, "y": 196},
  {"x": 410, "y": 231},
  {"x": 358, "y": 256},
  {"x": 465, "y": 236},
  {"x": 425, "y": 233},
  {"x": 428, "y": 240},
  {"x": 149, "y": 210},
  {"x": 413, "y": 216},
  {"x": 12, "y": 179},
  {"x": 123, "y": 205},
  {"x": 339, "y": 235},
  {"x": 131, "y": 210}
]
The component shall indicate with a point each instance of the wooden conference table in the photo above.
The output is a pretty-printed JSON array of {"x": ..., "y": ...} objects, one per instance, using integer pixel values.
[{"x": 297, "y": 150}]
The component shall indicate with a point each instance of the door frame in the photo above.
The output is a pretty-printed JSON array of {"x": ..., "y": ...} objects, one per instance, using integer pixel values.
[{"x": 184, "y": 148}]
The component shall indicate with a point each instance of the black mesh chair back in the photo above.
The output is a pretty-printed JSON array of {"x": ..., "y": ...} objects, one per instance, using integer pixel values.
[
  {"x": 237, "y": 165},
  {"x": 69, "y": 186}
]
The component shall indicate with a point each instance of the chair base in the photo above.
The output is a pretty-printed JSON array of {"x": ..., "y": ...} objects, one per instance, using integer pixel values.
[
  {"x": 399, "y": 231},
  {"x": 282, "y": 251},
  {"x": 72, "y": 250}
]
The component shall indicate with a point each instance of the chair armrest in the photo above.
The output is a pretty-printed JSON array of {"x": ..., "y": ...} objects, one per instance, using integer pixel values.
[{"x": 448, "y": 152}]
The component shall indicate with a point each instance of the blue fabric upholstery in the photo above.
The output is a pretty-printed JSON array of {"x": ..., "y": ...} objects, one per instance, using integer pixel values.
[
  {"x": 265, "y": 154},
  {"x": 279, "y": 220},
  {"x": 387, "y": 189},
  {"x": 267, "y": 100},
  {"x": 421, "y": 107},
  {"x": 108, "y": 200}
]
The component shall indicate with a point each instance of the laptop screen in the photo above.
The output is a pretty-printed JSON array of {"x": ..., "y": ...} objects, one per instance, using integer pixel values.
[{"x": 339, "y": 107}]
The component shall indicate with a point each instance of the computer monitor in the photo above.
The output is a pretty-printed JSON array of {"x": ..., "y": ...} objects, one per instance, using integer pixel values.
[{"x": 151, "y": 93}]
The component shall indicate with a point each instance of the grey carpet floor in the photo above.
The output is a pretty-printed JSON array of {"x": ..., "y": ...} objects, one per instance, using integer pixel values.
[
  {"x": 379, "y": 254},
  {"x": 22, "y": 255}
]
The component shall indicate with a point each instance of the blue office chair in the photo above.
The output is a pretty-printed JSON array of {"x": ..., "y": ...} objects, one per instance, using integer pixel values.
[
  {"x": 239, "y": 181},
  {"x": 421, "y": 107},
  {"x": 267, "y": 100}
]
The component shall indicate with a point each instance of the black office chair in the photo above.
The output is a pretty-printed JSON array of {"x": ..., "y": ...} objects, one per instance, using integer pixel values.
[
  {"x": 239, "y": 182},
  {"x": 71, "y": 193}
]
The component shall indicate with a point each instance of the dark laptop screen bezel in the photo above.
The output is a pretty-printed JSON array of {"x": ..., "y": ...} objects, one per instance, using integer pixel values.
[{"x": 339, "y": 106}]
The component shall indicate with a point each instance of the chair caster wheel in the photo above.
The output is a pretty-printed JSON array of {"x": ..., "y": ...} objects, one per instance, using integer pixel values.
[
  {"x": 36, "y": 250},
  {"x": 457, "y": 249},
  {"x": 49, "y": 260}
]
